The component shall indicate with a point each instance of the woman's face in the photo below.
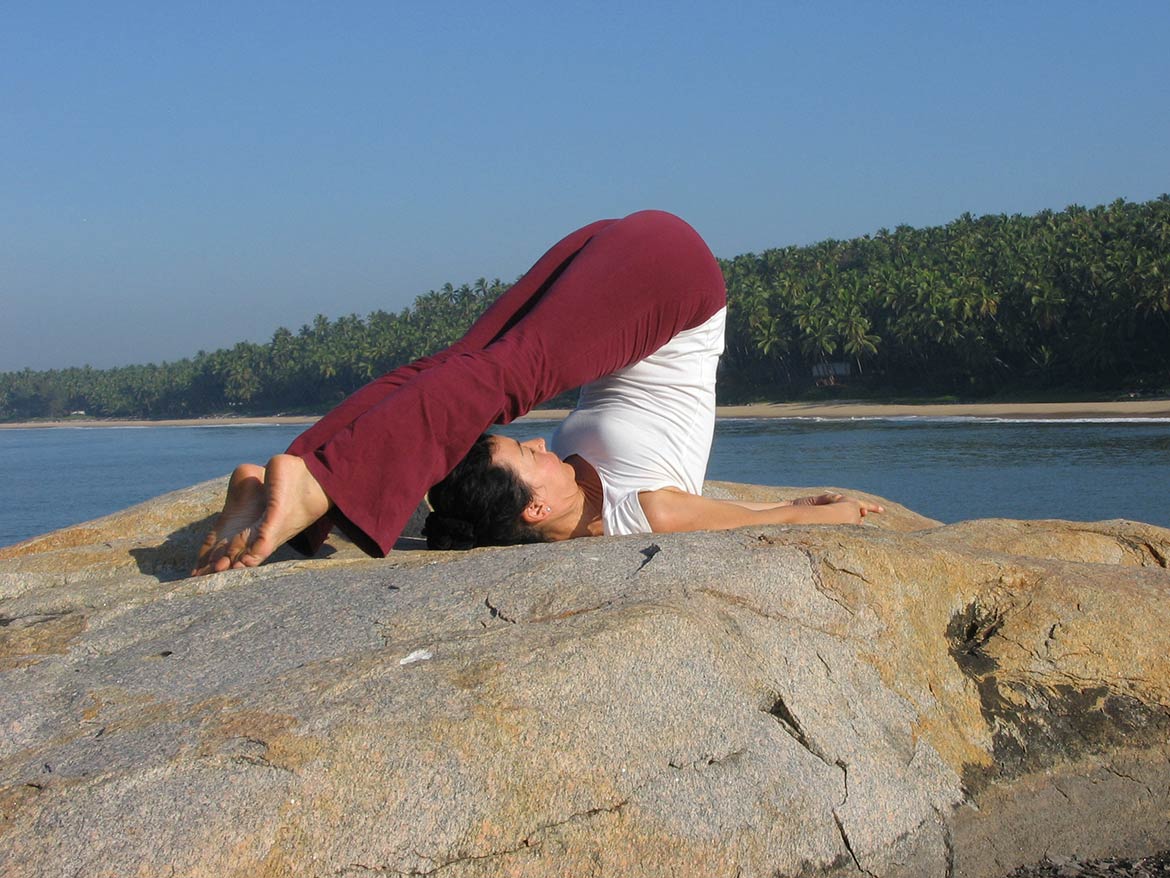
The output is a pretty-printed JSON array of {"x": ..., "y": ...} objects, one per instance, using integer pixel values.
[{"x": 550, "y": 479}]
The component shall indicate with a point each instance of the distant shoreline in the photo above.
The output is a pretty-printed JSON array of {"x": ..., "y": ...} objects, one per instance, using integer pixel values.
[{"x": 1125, "y": 410}]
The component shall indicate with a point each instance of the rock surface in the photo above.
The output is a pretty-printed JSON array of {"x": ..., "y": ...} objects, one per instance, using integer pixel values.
[{"x": 897, "y": 699}]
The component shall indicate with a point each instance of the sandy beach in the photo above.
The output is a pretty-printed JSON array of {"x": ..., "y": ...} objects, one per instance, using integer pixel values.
[{"x": 1129, "y": 409}]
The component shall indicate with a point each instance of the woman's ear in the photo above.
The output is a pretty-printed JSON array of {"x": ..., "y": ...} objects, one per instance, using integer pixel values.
[{"x": 536, "y": 511}]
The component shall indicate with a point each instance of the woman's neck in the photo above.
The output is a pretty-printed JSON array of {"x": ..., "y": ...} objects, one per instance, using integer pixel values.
[{"x": 584, "y": 518}]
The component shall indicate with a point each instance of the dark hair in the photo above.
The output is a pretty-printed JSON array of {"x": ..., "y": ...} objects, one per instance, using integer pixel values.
[{"x": 479, "y": 504}]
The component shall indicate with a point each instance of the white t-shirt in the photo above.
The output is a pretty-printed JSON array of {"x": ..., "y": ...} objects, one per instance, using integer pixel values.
[{"x": 648, "y": 426}]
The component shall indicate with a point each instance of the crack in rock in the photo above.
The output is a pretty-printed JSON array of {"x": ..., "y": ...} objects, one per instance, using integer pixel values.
[
  {"x": 1161, "y": 559},
  {"x": 849, "y": 845},
  {"x": 948, "y": 840},
  {"x": 1113, "y": 771},
  {"x": 705, "y": 761},
  {"x": 260, "y": 762},
  {"x": 847, "y": 571},
  {"x": 362, "y": 868},
  {"x": 30, "y": 619},
  {"x": 819, "y": 580},
  {"x": 496, "y": 612},
  {"x": 738, "y": 601},
  {"x": 527, "y": 843},
  {"x": 568, "y": 614},
  {"x": 791, "y": 725}
]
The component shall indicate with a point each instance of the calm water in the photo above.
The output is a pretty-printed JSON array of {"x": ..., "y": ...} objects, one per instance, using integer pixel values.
[{"x": 949, "y": 470}]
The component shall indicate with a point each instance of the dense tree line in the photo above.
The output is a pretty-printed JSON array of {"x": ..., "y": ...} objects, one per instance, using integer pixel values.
[
  {"x": 1077, "y": 301},
  {"x": 310, "y": 370}
]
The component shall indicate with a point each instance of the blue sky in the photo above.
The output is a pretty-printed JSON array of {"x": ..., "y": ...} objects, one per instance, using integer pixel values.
[{"x": 177, "y": 177}]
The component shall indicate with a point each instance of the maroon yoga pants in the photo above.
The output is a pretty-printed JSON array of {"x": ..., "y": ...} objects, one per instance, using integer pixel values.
[{"x": 606, "y": 296}]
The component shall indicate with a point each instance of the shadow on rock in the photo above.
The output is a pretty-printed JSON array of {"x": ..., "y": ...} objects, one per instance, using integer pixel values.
[{"x": 175, "y": 556}]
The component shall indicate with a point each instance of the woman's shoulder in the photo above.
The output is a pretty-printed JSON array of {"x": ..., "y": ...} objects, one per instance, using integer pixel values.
[
  {"x": 625, "y": 513},
  {"x": 661, "y": 507}
]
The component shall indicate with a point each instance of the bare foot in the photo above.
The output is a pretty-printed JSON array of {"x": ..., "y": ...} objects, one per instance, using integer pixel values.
[
  {"x": 294, "y": 501},
  {"x": 264, "y": 509},
  {"x": 243, "y": 506}
]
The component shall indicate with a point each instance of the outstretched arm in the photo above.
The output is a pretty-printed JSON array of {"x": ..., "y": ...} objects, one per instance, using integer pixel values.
[
  {"x": 818, "y": 500},
  {"x": 670, "y": 510}
]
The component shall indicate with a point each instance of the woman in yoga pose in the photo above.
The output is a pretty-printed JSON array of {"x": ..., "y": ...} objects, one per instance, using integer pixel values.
[{"x": 631, "y": 309}]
